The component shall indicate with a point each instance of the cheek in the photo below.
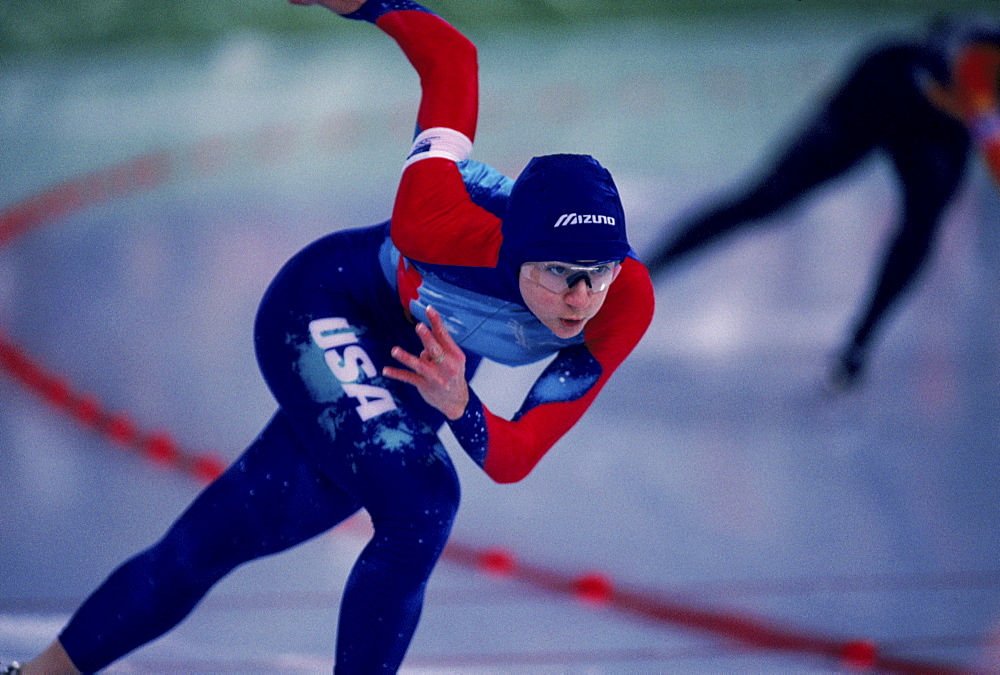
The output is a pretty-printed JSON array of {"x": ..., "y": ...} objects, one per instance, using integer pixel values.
[
  {"x": 540, "y": 307},
  {"x": 536, "y": 301}
]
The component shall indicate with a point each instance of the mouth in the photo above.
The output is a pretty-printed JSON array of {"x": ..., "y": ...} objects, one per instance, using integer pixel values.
[{"x": 571, "y": 323}]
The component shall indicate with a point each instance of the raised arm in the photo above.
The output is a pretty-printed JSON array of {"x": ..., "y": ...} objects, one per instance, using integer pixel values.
[{"x": 433, "y": 219}]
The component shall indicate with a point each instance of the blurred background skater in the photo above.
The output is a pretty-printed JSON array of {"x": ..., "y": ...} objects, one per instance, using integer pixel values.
[
  {"x": 927, "y": 104},
  {"x": 519, "y": 271}
]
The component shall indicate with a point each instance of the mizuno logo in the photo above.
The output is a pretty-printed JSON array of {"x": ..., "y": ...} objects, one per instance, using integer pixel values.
[{"x": 583, "y": 218}]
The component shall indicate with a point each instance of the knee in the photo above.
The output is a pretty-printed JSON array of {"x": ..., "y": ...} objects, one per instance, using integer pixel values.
[
  {"x": 428, "y": 521},
  {"x": 418, "y": 532},
  {"x": 184, "y": 560}
]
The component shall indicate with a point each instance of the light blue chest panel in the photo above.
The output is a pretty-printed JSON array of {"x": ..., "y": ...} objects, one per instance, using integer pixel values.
[{"x": 501, "y": 331}]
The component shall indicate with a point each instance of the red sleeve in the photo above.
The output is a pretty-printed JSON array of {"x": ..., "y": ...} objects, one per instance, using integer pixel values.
[
  {"x": 435, "y": 221},
  {"x": 433, "y": 218},
  {"x": 447, "y": 65},
  {"x": 516, "y": 447}
]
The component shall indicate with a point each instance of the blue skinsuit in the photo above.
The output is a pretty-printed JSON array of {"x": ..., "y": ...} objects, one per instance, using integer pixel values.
[
  {"x": 318, "y": 461},
  {"x": 345, "y": 437}
]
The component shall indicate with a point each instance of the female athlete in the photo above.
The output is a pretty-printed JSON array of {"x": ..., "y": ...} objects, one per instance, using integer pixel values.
[{"x": 367, "y": 339}]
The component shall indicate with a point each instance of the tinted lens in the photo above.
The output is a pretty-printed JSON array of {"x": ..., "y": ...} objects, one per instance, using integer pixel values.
[{"x": 559, "y": 276}]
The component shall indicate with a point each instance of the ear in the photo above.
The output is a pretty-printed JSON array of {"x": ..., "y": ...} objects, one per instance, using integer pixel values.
[{"x": 618, "y": 270}]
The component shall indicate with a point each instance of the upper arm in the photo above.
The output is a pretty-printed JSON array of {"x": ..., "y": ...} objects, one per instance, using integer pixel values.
[{"x": 434, "y": 220}]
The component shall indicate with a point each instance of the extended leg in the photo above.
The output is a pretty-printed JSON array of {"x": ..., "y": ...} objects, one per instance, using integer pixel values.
[
  {"x": 930, "y": 174},
  {"x": 270, "y": 499},
  {"x": 823, "y": 150}
]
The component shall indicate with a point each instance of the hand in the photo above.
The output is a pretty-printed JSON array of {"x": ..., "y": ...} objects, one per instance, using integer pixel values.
[
  {"x": 439, "y": 372},
  {"x": 338, "y": 6}
]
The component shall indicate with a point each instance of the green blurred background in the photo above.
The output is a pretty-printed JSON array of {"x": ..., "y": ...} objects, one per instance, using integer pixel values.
[{"x": 31, "y": 26}]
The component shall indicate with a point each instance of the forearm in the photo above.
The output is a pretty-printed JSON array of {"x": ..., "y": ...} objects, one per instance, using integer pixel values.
[
  {"x": 506, "y": 450},
  {"x": 445, "y": 60}
]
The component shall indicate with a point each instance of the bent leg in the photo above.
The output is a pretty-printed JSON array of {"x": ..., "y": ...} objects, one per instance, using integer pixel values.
[
  {"x": 394, "y": 464},
  {"x": 323, "y": 336},
  {"x": 270, "y": 499},
  {"x": 412, "y": 509},
  {"x": 930, "y": 175}
]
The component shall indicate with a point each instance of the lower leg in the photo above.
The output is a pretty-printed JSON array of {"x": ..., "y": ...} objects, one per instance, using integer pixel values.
[
  {"x": 903, "y": 261},
  {"x": 384, "y": 595}
]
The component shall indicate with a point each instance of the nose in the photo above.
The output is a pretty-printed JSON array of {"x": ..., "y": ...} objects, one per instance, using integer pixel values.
[{"x": 578, "y": 294}]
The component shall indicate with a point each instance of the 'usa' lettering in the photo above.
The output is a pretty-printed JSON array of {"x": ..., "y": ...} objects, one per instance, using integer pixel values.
[{"x": 350, "y": 365}]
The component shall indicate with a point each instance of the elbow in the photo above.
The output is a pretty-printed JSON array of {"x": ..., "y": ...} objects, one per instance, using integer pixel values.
[
  {"x": 505, "y": 475},
  {"x": 468, "y": 52},
  {"x": 507, "y": 478}
]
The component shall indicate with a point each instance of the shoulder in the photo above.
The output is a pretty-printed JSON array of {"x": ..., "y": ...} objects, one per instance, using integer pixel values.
[
  {"x": 635, "y": 282},
  {"x": 627, "y": 310},
  {"x": 487, "y": 187}
]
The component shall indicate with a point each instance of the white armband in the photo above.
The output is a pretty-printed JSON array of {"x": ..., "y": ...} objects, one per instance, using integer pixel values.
[{"x": 439, "y": 142}]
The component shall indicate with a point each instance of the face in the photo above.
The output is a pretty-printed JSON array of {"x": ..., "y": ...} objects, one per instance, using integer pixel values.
[{"x": 567, "y": 310}]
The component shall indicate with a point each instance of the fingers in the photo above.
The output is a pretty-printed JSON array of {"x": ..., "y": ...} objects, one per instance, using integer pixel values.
[
  {"x": 415, "y": 371},
  {"x": 342, "y": 6},
  {"x": 439, "y": 329},
  {"x": 439, "y": 349},
  {"x": 433, "y": 351},
  {"x": 338, "y": 6},
  {"x": 421, "y": 369},
  {"x": 433, "y": 338},
  {"x": 407, "y": 376},
  {"x": 440, "y": 344},
  {"x": 407, "y": 359}
]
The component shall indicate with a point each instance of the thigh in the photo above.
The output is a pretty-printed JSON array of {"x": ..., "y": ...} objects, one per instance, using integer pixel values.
[
  {"x": 272, "y": 497},
  {"x": 826, "y": 146},
  {"x": 323, "y": 335},
  {"x": 931, "y": 169}
]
